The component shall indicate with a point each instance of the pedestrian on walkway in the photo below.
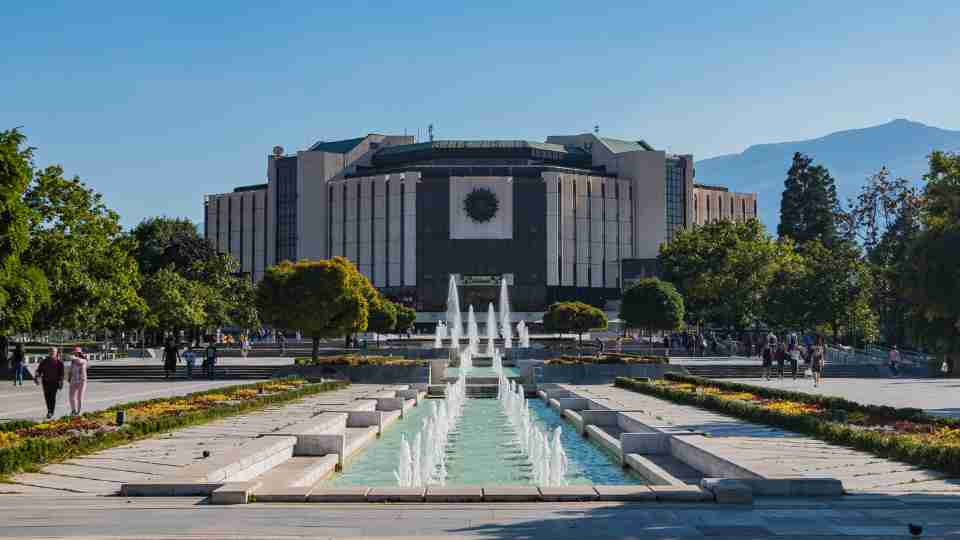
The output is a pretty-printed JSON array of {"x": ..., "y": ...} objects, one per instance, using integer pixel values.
[
  {"x": 189, "y": 358},
  {"x": 244, "y": 346},
  {"x": 171, "y": 355},
  {"x": 19, "y": 362},
  {"x": 794, "y": 354},
  {"x": 50, "y": 376},
  {"x": 768, "y": 354},
  {"x": 210, "y": 360},
  {"x": 894, "y": 360},
  {"x": 817, "y": 361},
  {"x": 781, "y": 358},
  {"x": 77, "y": 377}
]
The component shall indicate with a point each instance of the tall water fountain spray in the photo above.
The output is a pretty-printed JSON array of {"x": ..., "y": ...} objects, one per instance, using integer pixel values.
[
  {"x": 439, "y": 335},
  {"x": 491, "y": 329},
  {"x": 523, "y": 335},
  {"x": 454, "y": 317},
  {"x": 473, "y": 331},
  {"x": 423, "y": 463},
  {"x": 505, "y": 329},
  {"x": 543, "y": 450}
]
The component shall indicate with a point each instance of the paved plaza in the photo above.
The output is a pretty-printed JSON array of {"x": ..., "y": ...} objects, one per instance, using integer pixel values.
[
  {"x": 26, "y": 402},
  {"x": 936, "y": 396}
]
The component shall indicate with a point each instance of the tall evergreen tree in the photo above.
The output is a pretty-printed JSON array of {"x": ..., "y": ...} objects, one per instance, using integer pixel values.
[{"x": 809, "y": 204}]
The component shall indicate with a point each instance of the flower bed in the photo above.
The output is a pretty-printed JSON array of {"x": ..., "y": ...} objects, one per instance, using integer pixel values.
[
  {"x": 904, "y": 434},
  {"x": 29, "y": 445},
  {"x": 357, "y": 360},
  {"x": 608, "y": 359}
]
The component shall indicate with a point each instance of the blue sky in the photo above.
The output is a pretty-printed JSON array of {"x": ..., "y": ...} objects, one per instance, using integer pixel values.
[{"x": 155, "y": 105}]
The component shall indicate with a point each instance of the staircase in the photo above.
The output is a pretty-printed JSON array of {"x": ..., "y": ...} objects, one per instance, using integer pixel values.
[
  {"x": 155, "y": 372},
  {"x": 835, "y": 371}
]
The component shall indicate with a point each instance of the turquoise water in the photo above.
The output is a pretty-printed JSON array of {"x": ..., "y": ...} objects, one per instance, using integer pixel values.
[{"x": 483, "y": 450}]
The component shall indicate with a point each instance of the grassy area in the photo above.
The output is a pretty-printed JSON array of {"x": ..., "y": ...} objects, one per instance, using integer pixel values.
[
  {"x": 358, "y": 360},
  {"x": 27, "y": 446},
  {"x": 907, "y": 435}
]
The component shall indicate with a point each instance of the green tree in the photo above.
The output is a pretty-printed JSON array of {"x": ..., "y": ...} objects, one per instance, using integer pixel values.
[
  {"x": 23, "y": 289},
  {"x": 320, "y": 298},
  {"x": 406, "y": 316},
  {"x": 176, "y": 303},
  {"x": 838, "y": 288},
  {"x": 382, "y": 318},
  {"x": 933, "y": 282},
  {"x": 809, "y": 205},
  {"x": 652, "y": 304},
  {"x": 722, "y": 271},
  {"x": 786, "y": 305},
  {"x": 576, "y": 317},
  {"x": 164, "y": 241},
  {"x": 78, "y": 244}
]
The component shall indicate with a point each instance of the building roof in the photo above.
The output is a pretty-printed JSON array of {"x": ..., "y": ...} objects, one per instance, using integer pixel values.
[
  {"x": 472, "y": 145},
  {"x": 254, "y": 187},
  {"x": 708, "y": 186},
  {"x": 337, "y": 147},
  {"x": 619, "y": 146}
]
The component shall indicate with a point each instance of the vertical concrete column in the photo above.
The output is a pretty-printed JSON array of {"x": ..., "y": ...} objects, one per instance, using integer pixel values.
[
  {"x": 365, "y": 238},
  {"x": 610, "y": 234},
  {"x": 380, "y": 231},
  {"x": 582, "y": 206},
  {"x": 336, "y": 215},
  {"x": 260, "y": 233},
  {"x": 553, "y": 235},
  {"x": 568, "y": 246},
  {"x": 411, "y": 179},
  {"x": 270, "y": 210},
  {"x": 395, "y": 231},
  {"x": 596, "y": 231},
  {"x": 350, "y": 231}
]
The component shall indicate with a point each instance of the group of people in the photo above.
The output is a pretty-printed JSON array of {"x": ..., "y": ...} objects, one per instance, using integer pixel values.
[
  {"x": 51, "y": 373},
  {"x": 784, "y": 351},
  {"x": 172, "y": 356}
]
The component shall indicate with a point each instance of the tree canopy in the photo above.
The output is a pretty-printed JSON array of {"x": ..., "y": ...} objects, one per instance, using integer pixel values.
[
  {"x": 652, "y": 304},
  {"x": 576, "y": 317},
  {"x": 809, "y": 204},
  {"x": 321, "y": 298}
]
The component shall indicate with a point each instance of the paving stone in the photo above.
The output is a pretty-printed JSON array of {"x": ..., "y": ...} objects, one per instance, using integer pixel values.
[
  {"x": 568, "y": 493},
  {"x": 339, "y": 494},
  {"x": 395, "y": 494},
  {"x": 625, "y": 493},
  {"x": 454, "y": 494},
  {"x": 233, "y": 493},
  {"x": 510, "y": 493},
  {"x": 728, "y": 491},
  {"x": 283, "y": 494}
]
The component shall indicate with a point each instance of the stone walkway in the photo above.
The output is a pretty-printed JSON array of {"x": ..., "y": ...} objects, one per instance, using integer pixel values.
[
  {"x": 104, "y": 472},
  {"x": 859, "y": 471},
  {"x": 26, "y": 402},
  {"x": 936, "y": 396}
]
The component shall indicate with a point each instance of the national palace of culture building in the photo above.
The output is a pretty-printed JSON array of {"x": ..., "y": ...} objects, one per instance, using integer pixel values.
[{"x": 574, "y": 217}]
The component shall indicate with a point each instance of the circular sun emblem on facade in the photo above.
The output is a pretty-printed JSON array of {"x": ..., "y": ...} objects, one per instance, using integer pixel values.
[{"x": 481, "y": 205}]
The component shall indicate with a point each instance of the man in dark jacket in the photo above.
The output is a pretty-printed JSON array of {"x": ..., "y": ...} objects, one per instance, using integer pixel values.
[{"x": 50, "y": 376}]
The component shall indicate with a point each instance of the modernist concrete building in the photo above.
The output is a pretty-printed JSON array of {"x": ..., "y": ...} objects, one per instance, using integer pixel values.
[
  {"x": 716, "y": 203},
  {"x": 558, "y": 219}
]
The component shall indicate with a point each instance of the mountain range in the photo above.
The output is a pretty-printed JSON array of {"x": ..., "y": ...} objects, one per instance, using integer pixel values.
[{"x": 851, "y": 156}]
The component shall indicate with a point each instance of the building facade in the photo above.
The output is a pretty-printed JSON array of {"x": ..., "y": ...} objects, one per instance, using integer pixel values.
[
  {"x": 556, "y": 219},
  {"x": 716, "y": 203}
]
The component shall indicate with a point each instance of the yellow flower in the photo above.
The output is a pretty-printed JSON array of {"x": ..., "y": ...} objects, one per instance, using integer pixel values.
[
  {"x": 246, "y": 393},
  {"x": 8, "y": 439}
]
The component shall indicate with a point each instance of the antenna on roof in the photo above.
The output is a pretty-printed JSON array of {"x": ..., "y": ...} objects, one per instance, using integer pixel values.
[
  {"x": 596, "y": 129},
  {"x": 430, "y": 132}
]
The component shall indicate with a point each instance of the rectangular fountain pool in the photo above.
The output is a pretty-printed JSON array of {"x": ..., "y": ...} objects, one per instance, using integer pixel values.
[{"x": 483, "y": 450}]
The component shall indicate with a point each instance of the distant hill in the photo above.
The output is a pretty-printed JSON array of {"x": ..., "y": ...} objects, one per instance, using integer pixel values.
[{"x": 853, "y": 155}]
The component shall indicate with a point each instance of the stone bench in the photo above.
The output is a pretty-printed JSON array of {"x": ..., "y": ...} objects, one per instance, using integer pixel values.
[{"x": 293, "y": 480}]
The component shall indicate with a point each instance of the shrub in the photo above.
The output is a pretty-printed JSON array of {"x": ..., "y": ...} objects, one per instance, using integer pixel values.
[
  {"x": 357, "y": 360},
  {"x": 611, "y": 358}
]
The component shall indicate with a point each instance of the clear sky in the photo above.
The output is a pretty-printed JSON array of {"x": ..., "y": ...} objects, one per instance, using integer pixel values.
[{"x": 155, "y": 104}]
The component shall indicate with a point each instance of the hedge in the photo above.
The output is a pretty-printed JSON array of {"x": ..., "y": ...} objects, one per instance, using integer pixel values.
[
  {"x": 35, "y": 452},
  {"x": 357, "y": 360},
  {"x": 887, "y": 445},
  {"x": 609, "y": 359}
]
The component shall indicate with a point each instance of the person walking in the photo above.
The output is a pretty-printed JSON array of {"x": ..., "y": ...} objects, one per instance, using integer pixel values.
[
  {"x": 171, "y": 355},
  {"x": 244, "y": 346},
  {"x": 19, "y": 362},
  {"x": 50, "y": 377},
  {"x": 768, "y": 354},
  {"x": 77, "y": 377},
  {"x": 210, "y": 360},
  {"x": 893, "y": 358},
  {"x": 816, "y": 361},
  {"x": 781, "y": 358},
  {"x": 189, "y": 358},
  {"x": 794, "y": 354}
]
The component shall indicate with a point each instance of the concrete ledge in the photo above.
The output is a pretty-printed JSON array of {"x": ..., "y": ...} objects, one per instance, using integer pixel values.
[
  {"x": 511, "y": 494},
  {"x": 575, "y": 403},
  {"x": 297, "y": 472},
  {"x": 645, "y": 443},
  {"x": 366, "y": 419},
  {"x": 356, "y": 441},
  {"x": 233, "y": 493},
  {"x": 454, "y": 494},
  {"x": 284, "y": 494},
  {"x": 389, "y": 417},
  {"x": 683, "y": 493},
  {"x": 338, "y": 495},
  {"x": 168, "y": 489},
  {"x": 625, "y": 493},
  {"x": 728, "y": 491},
  {"x": 795, "y": 487},
  {"x": 650, "y": 471},
  {"x": 568, "y": 493},
  {"x": 576, "y": 420},
  {"x": 605, "y": 440},
  {"x": 395, "y": 494}
]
